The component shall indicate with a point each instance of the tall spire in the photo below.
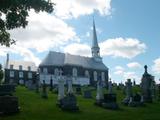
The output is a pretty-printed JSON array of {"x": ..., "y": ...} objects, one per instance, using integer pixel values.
[
  {"x": 95, "y": 48},
  {"x": 94, "y": 42}
]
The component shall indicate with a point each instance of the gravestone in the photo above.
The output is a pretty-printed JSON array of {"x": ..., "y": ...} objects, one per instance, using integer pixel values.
[
  {"x": 68, "y": 102},
  {"x": 70, "y": 89},
  {"x": 21, "y": 82},
  {"x": 110, "y": 99},
  {"x": 128, "y": 91},
  {"x": 51, "y": 84},
  {"x": 78, "y": 90},
  {"x": 60, "y": 88},
  {"x": 146, "y": 83},
  {"x": 8, "y": 102},
  {"x": 99, "y": 96},
  {"x": 44, "y": 90},
  {"x": 87, "y": 94},
  {"x": 136, "y": 100}
]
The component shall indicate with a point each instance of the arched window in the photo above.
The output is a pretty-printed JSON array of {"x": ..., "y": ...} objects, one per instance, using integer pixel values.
[
  {"x": 95, "y": 76},
  {"x": 103, "y": 76},
  {"x": 56, "y": 71},
  {"x": 86, "y": 73},
  {"x": 45, "y": 71},
  {"x": 74, "y": 72}
]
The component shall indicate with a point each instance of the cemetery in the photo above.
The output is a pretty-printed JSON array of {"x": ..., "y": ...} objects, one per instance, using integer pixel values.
[{"x": 20, "y": 102}]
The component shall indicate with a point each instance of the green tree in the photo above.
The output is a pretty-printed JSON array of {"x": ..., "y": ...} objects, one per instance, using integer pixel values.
[
  {"x": 1, "y": 74},
  {"x": 13, "y": 15}
]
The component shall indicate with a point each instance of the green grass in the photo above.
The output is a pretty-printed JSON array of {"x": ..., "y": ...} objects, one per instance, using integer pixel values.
[{"x": 33, "y": 107}]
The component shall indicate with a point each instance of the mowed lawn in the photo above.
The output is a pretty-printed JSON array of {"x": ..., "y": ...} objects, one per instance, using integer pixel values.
[{"x": 33, "y": 107}]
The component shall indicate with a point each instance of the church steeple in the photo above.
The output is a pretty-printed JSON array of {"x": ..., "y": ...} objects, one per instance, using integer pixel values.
[{"x": 95, "y": 48}]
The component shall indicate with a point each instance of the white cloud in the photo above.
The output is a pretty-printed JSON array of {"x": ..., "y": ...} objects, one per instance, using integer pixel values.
[
  {"x": 25, "y": 53},
  {"x": 122, "y": 47},
  {"x": 130, "y": 75},
  {"x": 134, "y": 65},
  {"x": 74, "y": 8},
  {"x": 119, "y": 70},
  {"x": 43, "y": 32},
  {"x": 156, "y": 66},
  {"x": 78, "y": 49}
]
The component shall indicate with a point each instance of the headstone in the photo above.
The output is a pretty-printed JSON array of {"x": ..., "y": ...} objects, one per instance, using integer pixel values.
[
  {"x": 69, "y": 101},
  {"x": 110, "y": 87},
  {"x": 21, "y": 82},
  {"x": 44, "y": 90},
  {"x": 99, "y": 96},
  {"x": 146, "y": 85},
  {"x": 51, "y": 84},
  {"x": 110, "y": 100},
  {"x": 61, "y": 88},
  {"x": 128, "y": 90},
  {"x": 87, "y": 94},
  {"x": 136, "y": 100},
  {"x": 70, "y": 89},
  {"x": 78, "y": 90},
  {"x": 8, "y": 102}
]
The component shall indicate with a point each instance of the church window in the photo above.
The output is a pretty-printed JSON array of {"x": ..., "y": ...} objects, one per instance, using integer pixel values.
[
  {"x": 56, "y": 71},
  {"x": 95, "y": 76},
  {"x": 103, "y": 76},
  {"x": 30, "y": 75},
  {"x": 45, "y": 70},
  {"x": 86, "y": 73},
  {"x": 11, "y": 73},
  {"x": 20, "y": 74},
  {"x": 74, "y": 72}
]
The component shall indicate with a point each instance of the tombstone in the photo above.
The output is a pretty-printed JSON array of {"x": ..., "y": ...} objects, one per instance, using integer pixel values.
[
  {"x": 110, "y": 99},
  {"x": 44, "y": 90},
  {"x": 153, "y": 89},
  {"x": 110, "y": 87},
  {"x": 51, "y": 84},
  {"x": 8, "y": 102},
  {"x": 136, "y": 100},
  {"x": 146, "y": 83},
  {"x": 78, "y": 90},
  {"x": 70, "y": 89},
  {"x": 68, "y": 102},
  {"x": 134, "y": 82},
  {"x": 37, "y": 86},
  {"x": 31, "y": 85},
  {"x": 87, "y": 94},
  {"x": 99, "y": 96},
  {"x": 21, "y": 82},
  {"x": 128, "y": 91},
  {"x": 60, "y": 88}
]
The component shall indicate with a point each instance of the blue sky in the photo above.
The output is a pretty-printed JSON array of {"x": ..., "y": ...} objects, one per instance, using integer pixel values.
[{"x": 127, "y": 30}]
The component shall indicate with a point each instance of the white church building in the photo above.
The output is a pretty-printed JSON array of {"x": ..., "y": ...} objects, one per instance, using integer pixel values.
[{"x": 82, "y": 70}]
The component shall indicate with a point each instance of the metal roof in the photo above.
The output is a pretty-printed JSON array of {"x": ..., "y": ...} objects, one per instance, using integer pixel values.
[{"x": 61, "y": 59}]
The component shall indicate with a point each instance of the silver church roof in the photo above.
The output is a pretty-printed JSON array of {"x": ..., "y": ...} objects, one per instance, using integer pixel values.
[{"x": 61, "y": 59}]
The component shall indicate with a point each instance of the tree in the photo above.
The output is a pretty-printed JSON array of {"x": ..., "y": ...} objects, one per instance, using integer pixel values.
[
  {"x": 13, "y": 14},
  {"x": 1, "y": 74}
]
